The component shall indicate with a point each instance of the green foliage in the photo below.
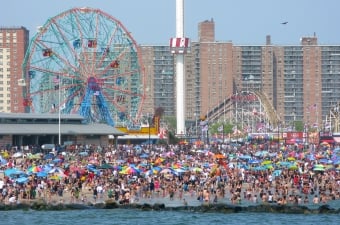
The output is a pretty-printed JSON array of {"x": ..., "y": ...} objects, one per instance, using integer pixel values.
[
  {"x": 171, "y": 123},
  {"x": 172, "y": 139},
  {"x": 299, "y": 126},
  {"x": 227, "y": 128}
]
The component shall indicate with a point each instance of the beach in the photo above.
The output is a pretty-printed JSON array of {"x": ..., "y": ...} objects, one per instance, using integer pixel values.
[{"x": 173, "y": 176}]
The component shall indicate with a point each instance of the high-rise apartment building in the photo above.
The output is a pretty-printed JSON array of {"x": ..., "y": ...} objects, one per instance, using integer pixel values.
[
  {"x": 13, "y": 44},
  {"x": 159, "y": 80},
  {"x": 210, "y": 79},
  {"x": 299, "y": 81}
]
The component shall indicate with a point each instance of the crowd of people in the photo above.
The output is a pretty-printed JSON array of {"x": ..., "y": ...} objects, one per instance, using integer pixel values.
[{"x": 188, "y": 174}]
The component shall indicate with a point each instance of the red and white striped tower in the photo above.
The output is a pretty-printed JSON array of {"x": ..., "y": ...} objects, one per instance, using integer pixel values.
[{"x": 179, "y": 46}]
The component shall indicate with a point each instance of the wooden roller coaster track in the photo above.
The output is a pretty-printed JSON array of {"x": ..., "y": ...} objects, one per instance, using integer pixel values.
[{"x": 227, "y": 106}]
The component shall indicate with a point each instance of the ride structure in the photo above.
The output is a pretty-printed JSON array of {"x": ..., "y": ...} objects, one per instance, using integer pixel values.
[{"x": 84, "y": 61}]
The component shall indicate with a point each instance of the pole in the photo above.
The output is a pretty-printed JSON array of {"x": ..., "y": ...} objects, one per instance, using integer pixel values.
[
  {"x": 180, "y": 72},
  {"x": 149, "y": 122},
  {"x": 196, "y": 131},
  {"x": 59, "y": 116}
]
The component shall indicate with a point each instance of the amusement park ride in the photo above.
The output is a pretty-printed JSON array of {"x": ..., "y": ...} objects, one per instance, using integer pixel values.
[{"x": 84, "y": 61}]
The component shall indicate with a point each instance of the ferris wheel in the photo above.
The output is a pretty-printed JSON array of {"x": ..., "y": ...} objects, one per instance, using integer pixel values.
[{"x": 83, "y": 61}]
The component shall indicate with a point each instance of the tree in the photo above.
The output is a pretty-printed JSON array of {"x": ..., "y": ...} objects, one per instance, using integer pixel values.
[
  {"x": 299, "y": 126},
  {"x": 227, "y": 128}
]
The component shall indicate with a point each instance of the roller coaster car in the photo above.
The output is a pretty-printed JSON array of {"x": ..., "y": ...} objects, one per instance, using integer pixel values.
[{"x": 47, "y": 52}]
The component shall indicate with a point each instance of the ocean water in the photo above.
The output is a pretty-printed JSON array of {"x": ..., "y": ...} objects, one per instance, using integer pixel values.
[{"x": 138, "y": 217}]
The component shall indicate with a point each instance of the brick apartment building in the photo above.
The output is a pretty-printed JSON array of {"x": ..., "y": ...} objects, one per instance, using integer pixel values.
[{"x": 13, "y": 44}]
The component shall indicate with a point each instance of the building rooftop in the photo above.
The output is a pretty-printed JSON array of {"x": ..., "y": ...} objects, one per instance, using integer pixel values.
[{"x": 24, "y": 124}]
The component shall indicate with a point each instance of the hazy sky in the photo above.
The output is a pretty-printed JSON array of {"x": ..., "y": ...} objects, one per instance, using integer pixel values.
[{"x": 244, "y": 22}]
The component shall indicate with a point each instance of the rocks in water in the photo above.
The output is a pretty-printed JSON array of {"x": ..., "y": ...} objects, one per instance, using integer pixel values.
[{"x": 217, "y": 208}]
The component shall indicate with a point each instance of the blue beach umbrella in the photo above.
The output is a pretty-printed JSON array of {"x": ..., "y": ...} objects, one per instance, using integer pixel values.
[
  {"x": 144, "y": 155},
  {"x": 254, "y": 161},
  {"x": 22, "y": 180},
  {"x": 12, "y": 171},
  {"x": 42, "y": 174},
  {"x": 277, "y": 173},
  {"x": 244, "y": 157},
  {"x": 2, "y": 161}
]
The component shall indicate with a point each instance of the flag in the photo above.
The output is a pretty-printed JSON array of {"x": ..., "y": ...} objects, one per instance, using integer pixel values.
[
  {"x": 162, "y": 133},
  {"x": 205, "y": 128}
]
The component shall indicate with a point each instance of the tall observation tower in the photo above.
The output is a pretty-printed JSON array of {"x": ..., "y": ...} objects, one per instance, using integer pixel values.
[{"x": 179, "y": 45}]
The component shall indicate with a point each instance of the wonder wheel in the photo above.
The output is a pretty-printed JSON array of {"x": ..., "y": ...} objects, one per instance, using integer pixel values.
[{"x": 84, "y": 61}]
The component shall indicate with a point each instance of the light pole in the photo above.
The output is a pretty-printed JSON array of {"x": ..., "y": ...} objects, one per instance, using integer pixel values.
[
  {"x": 59, "y": 116},
  {"x": 149, "y": 123},
  {"x": 196, "y": 131}
]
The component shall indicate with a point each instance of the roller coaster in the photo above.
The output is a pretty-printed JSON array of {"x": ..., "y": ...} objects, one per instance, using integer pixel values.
[{"x": 241, "y": 106}]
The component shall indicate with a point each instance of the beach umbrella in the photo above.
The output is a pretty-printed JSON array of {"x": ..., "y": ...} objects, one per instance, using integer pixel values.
[
  {"x": 48, "y": 156},
  {"x": 268, "y": 166},
  {"x": 244, "y": 157},
  {"x": 57, "y": 160},
  {"x": 138, "y": 148},
  {"x": 12, "y": 171},
  {"x": 243, "y": 166},
  {"x": 254, "y": 161},
  {"x": 159, "y": 161},
  {"x": 272, "y": 154},
  {"x": 325, "y": 161},
  {"x": 56, "y": 170},
  {"x": 94, "y": 161},
  {"x": 34, "y": 156},
  {"x": 55, "y": 177},
  {"x": 219, "y": 156},
  {"x": 41, "y": 174},
  {"x": 18, "y": 155},
  {"x": 3, "y": 161},
  {"x": 120, "y": 161},
  {"x": 259, "y": 168},
  {"x": 5, "y": 155},
  {"x": 277, "y": 173},
  {"x": 319, "y": 167},
  {"x": 83, "y": 153},
  {"x": 170, "y": 154},
  {"x": 129, "y": 170},
  {"x": 105, "y": 166},
  {"x": 266, "y": 162},
  {"x": 144, "y": 155},
  {"x": 261, "y": 153},
  {"x": 196, "y": 169},
  {"x": 22, "y": 180},
  {"x": 34, "y": 169},
  {"x": 166, "y": 170},
  {"x": 293, "y": 167}
]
